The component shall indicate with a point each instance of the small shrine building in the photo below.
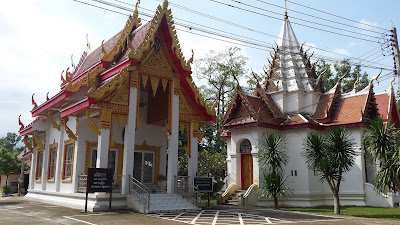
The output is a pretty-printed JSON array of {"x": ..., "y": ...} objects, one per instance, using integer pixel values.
[
  {"x": 121, "y": 107},
  {"x": 292, "y": 102}
]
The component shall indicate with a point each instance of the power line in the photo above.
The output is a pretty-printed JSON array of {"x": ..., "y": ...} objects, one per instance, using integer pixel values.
[
  {"x": 259, "y": 46},
  {"x": 382, "y": 78},
  {"x": 331, "y": 14},
  {"x": 332, "y": 21},
  {"x": 316, "y": 28},
  {"x": 251, "y": 29},
  {"x": 308, "y": 21}
]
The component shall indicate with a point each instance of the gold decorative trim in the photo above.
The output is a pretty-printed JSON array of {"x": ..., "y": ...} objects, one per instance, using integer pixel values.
[
  {"x": 66, "y": 143},
  {"x": 132, "y": 23},
  {"x": 86, "y": 80},
  {"x": 88, "y": 158},
  {"x": 156, "y": 151},
  {"x": 149, "y": 38},
  {"x": 199, "y": 97},
  {"x": 69, "y": 132},
  {"x": 120, "y": 148},
  {"x": 111, "y": 85},
  {"x": 54, "y": 124},
  {"x": 105, "y": 119},
  {"x": 29, "y": 146},
  {"x": 37, "y": 142},
  {"x": 52, "y": 146},
  {"x": 92, "y": 125}
]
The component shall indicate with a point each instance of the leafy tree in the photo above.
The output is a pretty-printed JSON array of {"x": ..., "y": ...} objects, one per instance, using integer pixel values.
[
  {"x": 329, "y": 156},
  {"x": 273, "y": 158},
  {"x": 10, "y": 142},
  {"x": 9, "y": 163},
  {"x": 220, "y": 71},
  {"x": 342, "y": 68},
  {"x": 382, "y": 143}
]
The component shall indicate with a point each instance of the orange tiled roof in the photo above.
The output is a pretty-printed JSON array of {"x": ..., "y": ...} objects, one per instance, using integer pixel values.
[
  {"x": 349, "y": 110},
  {"x": 382, "y": 100},
  {"x": 325, "y": 103}
]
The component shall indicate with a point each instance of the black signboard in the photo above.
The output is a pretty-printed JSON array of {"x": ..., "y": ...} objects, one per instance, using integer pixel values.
[
  {"x": 204, "y": 184},
  {"x": 99, "y": 180}
]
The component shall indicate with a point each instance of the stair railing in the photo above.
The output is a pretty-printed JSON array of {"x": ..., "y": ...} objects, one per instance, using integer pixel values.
[
  {"x": 186, "y": 190},
  {"x": 139, "y": 191}
]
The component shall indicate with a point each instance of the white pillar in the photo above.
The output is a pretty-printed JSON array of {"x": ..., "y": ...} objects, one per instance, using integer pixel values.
[
  {"x": 173, "y": 142},
  {"x": 193, "y": 160},
  {"x": 103, "y": 144},
  {"x": 60, "y": 150},
  {"x": 32, "y": 173},
  {"x": 129, "y": 141},
  {"x": 79, "y": 156},
  {"x": 45, "y": 161}
]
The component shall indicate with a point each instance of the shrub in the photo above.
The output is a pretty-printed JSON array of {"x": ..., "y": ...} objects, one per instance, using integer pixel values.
[{"x": 6, "y": 190}]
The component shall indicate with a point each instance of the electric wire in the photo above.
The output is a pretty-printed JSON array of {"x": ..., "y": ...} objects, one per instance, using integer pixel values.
[
  {"x": 259, "y": 46},
  {"x": 247, "y": 28},
  {"x": 317, "y": 17},
  {"x": 308, "y": 21},
  {"x": 331, "y": 14},
  {"x": 320, "y": 29},
  {"x": 382, "y": 78}
]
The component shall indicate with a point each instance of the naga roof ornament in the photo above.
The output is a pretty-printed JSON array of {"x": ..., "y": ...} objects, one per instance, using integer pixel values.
[{"x": 33, "y": 102}]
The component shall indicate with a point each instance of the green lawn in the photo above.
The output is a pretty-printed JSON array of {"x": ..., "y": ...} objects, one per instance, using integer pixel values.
[{"x": 367, "y": 212}]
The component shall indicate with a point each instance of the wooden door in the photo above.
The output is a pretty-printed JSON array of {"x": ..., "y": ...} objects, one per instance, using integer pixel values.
[{"x": 247, "y": 170}]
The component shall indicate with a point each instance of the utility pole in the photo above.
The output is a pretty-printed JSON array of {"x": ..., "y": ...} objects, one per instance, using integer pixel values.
[{"x": 396, "y": 53}]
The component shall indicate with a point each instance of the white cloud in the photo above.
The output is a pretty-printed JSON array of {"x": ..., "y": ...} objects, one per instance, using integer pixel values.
[
  {"x": 33, "y": 54},
  {"x": 342, "y": 51}
]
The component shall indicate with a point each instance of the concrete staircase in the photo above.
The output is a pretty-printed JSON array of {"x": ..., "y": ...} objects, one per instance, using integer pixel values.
[
  {"x": 234, "y": 199},
  {"x": 162, "y": 202}
]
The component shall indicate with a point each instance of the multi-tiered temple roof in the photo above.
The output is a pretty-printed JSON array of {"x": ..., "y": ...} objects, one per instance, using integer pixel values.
[{"x": 293, "y": 95}]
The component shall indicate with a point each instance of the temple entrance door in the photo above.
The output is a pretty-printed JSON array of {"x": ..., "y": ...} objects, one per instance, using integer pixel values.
[
  {"x": 143, "y": 167},
  {"x": 247, "y": 170}
]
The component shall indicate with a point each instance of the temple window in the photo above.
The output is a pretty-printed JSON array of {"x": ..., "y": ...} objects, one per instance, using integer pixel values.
[
  {"x": 52, "y": 163},
  {"x": 68, "y": 161},
  {"x": 39, "y": 166},
  {"x": 245, "y": 147}
]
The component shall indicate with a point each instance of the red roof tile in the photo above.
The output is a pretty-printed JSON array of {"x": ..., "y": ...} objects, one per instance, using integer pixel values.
[
  {"x": 382, "y": 100},
  {"x": 349, "y": 110},
  {"x": 324, "y": 104}
]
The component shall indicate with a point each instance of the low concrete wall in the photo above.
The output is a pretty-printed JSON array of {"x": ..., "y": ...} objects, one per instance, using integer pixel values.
[
  {"x": 250, "y": 198},
  {"x": 96, "y": 202},
  {"x": 377, "y": 199}
]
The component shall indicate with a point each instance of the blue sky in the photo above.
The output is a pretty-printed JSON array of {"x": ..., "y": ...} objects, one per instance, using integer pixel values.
[{"x": 38, "y": 37}]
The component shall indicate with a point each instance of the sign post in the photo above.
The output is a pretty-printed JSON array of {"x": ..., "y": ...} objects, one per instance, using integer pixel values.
[
  {"x": 204, "y": 184},
  {"x": 99, "y": 180}
]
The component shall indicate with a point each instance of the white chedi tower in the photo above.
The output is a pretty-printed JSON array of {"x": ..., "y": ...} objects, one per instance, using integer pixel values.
[{"x": 291, "y": 79}]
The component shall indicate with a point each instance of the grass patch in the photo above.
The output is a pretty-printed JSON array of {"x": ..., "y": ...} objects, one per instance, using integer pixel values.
[{"x": 357, "y": 211}]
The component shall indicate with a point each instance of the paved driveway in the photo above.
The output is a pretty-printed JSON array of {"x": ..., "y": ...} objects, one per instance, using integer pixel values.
[{"x": 16, "y": 211}]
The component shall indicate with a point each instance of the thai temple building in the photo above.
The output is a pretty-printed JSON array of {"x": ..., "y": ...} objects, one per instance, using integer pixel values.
[
  {"x": 292, "y": 102},
  {"x": 122, "y": 107}
]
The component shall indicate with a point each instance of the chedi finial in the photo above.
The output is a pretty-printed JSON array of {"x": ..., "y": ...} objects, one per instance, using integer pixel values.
[{"x": 285, "y": 17}]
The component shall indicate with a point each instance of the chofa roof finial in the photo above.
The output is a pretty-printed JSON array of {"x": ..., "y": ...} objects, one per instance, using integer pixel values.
[
  {"x": 165, "y": 4},
  {"x": 136, "y": 12},
  {"x": 357, "y": 81}
]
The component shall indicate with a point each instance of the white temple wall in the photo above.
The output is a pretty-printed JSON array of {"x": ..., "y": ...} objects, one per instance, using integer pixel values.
[
  {"x": 237, "y": 136},
  {"x": 309, "y": 105},
  {"x": 68, "y": 186},
  {"x": 294, "y": 140},
  {"x": 278, "y": 99},
  {"x": 291, "y": 102}
]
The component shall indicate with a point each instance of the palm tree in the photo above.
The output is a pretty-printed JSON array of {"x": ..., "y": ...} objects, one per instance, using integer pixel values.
[
  {"x": 329, "y": 156},
  {"x": 382, "y": 143},
  {"x": 273, "y": 158}
]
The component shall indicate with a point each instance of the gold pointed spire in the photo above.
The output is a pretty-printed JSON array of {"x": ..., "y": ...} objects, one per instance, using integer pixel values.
[
  {"x": 165, "y": 4},
  {"x": 357, "y": 81},
  {"x": 377, "y": 76},
  {"x": 391, "y": 83},
  {"x": 285, "y": 17},
  {"x": 136, "y": 12},
  {"x": 87, "y": 44}
]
